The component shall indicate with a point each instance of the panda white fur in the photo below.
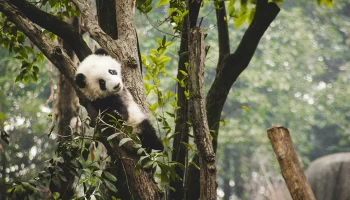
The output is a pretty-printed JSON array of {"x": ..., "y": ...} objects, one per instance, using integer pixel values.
[{"x": 99, "y": 77}]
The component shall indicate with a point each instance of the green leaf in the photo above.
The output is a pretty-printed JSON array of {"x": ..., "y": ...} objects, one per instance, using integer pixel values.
[
  {"x": 240, "y": 19},
  {"x": 195, "y": 165},
  {"x": 28, "y": 187},
  {"x": 148, "y": 9},
  {"x": 26, "y": 79},
  {"x": 163, "y": 59},
  {"x": 164, "y": 40},
  {"x": 109, "y": 176},
  {"x": 110, "y": 186},
  {"x": 223, "y": 121},
  {"x": 36, "y": 69},
  {"x": 123, "y": 141},
  {"x": 153, "y": 58},
  {"x": 34, "y": 77},
  {"x": 251, "y": 15},
  {"x": 148, "y": 164},
  {"x": 183, "y": 73},
  {"x": 246, "y": 108},
  {"x": 171, "y": 114},
  {"x": 153, "y": 107},
  {"x": 55, "y": 195},
  {"x": 113, "y": 136},
  {"x": 162, "y": 2}
]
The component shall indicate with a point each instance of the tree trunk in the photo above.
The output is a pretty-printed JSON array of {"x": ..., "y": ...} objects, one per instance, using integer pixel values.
[
  {"x": 198, "y": 115},
  {"x": 66, "y": 108}
]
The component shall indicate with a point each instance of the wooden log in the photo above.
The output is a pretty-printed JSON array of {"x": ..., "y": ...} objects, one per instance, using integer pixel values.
[{"x": 291, "y": 169}]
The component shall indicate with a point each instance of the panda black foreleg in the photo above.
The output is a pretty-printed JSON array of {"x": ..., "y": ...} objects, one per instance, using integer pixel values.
[{"x": 148, "y": 136}]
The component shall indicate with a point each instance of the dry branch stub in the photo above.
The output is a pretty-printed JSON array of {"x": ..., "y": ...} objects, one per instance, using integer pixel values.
[{"x": 291, "y": 170}]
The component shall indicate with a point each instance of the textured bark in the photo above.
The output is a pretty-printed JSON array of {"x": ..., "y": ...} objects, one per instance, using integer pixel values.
[
  {"x": 67, "y": 104},
  {"x": 107, "y": 17},
  {"x": 55, "y": 25},
  {"x": 289, "y": 163},
  {"x": 66, "y": 108},
  {"x": 198, "y": 115},
  {"x": 139, "y": 185},
  {"x": 329, "y": 177}
]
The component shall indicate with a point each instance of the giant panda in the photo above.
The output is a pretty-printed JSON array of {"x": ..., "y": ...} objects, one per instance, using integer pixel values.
[{"x": 99, "y": 78}]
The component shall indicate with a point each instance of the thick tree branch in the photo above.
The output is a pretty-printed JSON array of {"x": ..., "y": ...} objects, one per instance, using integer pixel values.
[
  {"x": 118, "y": 48},
  {"x": 198, "y": 115},
  {"x": 291, "y": 169},
  {"x": 55, "y": 25},
  {"x": 234, "y": 64},
  {"x": 223, "y": 36}
]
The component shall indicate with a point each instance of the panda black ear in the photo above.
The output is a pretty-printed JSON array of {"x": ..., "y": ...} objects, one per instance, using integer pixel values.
[
  {"x": 101, "y": 51},
  {"x": 80, "y": 80}
]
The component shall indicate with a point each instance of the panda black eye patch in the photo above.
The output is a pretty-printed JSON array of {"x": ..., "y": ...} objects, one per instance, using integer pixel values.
[
  {"x": 102, "y": 84},
  {"x": 113, "y": 72}
]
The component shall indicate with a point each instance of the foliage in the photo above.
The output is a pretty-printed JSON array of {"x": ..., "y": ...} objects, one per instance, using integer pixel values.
[{"x": 24, "y": 145}]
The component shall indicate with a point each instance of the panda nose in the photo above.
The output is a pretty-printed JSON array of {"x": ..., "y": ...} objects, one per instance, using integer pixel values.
[{"x": 117, "y": 87}]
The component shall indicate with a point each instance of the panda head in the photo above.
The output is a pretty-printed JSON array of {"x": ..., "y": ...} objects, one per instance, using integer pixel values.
[{"x": 99, "y": 75}]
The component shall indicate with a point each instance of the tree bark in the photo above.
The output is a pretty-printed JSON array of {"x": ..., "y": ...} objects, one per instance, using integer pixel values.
[
  {"x": 139, "y": 185},
  {"x": 198, "y": 115},
  {"x": 66, "y": 108},
  {"x": 289, "y": 163}
]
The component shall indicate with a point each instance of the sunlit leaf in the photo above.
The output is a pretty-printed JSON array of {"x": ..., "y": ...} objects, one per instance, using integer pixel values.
[
  {"x": 123, "y": 141},
  {"x": 162, "y": 2}
]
